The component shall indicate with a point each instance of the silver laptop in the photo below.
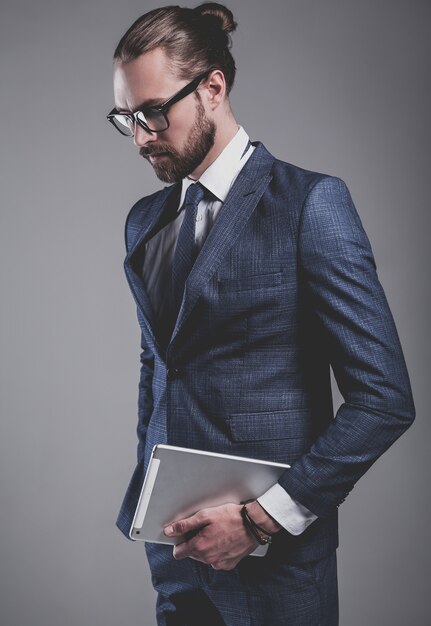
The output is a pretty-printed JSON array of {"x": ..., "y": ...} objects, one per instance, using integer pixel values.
[{"x": 181, "y": 481}]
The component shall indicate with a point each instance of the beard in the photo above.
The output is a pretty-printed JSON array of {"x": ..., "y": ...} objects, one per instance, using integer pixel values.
[{"x": 176, "y": 164}]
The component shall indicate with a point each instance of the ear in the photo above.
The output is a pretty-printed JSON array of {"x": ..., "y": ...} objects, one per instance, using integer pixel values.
[{"x": 215, "y": 86}]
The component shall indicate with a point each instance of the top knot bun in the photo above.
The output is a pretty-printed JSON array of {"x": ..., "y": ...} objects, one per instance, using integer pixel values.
[{"x": 220, "y": 13}]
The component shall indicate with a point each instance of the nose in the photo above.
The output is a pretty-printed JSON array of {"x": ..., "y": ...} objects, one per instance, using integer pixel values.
[{"x": 142, "y": 136}]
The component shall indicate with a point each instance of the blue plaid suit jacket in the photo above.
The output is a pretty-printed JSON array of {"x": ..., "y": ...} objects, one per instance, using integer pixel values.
[{"x": 284, "y": 287}]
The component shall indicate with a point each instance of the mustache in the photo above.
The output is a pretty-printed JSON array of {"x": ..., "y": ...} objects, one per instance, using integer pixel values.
[{"x": 147, "y": 151}]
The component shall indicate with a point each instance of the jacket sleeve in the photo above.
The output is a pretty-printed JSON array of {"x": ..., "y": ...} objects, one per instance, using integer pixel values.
[
  {"x": 350, "y": 308},
  {"x": 145, "y": 393}
]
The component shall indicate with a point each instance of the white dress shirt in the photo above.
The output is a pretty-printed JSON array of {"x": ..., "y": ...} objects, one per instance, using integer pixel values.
[{"x": 218, "y": 178}]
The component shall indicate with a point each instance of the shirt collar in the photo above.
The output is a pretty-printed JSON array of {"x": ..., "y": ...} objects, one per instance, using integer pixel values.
[{"x": 219, "y": 176}]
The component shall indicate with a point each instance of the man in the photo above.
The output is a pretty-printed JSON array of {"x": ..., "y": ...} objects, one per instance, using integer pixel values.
[{"x": 251, "y": 277}]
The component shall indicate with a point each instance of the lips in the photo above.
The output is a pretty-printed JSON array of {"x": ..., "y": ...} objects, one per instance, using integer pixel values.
[
  {"x": 156, "y": 157},
  {"x": 153, "y": 157}
]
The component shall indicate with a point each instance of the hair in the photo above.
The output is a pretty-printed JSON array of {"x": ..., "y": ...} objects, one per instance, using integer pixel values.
[{"x": 195, "y": 40}]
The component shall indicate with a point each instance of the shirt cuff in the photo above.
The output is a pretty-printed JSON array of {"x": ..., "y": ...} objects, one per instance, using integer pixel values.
[{"x": 289, "y": 513}]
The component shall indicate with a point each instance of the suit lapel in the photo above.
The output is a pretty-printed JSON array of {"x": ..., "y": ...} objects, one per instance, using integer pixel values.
[
  {"x": 240, "y": 203},
  {"x": 160, "y": 213}
]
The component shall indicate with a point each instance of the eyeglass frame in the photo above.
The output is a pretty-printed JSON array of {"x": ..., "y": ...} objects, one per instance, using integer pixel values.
[{"x": 161, "y": 108}]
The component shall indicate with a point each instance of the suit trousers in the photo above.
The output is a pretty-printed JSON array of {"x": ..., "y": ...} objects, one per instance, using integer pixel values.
[{"x": 258, "y": 592}]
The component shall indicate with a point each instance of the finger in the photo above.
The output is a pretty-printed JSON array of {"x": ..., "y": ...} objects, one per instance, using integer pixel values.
[
  {"x": 186, "y": 550},
  {"x": 200, "y": 559},
  {"x": 224, "y": 565},
  {"x": 184, "y": 526},
  {"x": 179, "y": 554},
  {"x": 198, "y": 548}
]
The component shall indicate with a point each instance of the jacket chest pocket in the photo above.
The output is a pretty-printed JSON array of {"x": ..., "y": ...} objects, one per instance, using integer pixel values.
[
  {"x": 250, "y": 283},
  {"x": 265, "y": 301}
]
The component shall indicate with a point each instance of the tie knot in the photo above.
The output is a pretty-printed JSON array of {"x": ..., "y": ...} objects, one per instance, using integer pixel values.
[{"x": 194, "y": 195}]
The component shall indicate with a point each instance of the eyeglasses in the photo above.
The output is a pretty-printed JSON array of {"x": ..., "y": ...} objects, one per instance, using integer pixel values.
[{"x": 152, "y": 119}]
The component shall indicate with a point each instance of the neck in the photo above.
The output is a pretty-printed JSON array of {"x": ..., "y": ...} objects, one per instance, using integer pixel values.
[{"x": 224, "y": 134}]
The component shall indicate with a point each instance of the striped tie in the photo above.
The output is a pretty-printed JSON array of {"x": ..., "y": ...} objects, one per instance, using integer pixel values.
[{"x": 186, "y": 251}]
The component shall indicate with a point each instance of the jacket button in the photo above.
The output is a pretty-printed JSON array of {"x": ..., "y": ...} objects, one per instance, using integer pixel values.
[{"x": 172, "y": 373}]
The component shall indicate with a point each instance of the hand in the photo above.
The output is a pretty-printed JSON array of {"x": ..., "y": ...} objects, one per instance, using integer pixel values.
[{"x": 221, "y": 541}]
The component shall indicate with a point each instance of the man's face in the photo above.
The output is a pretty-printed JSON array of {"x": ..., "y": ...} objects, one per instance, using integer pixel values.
[{"x": 178, "y": 151}]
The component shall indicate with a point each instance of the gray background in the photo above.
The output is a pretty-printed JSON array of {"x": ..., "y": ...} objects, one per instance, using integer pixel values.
[{"x": 338, "y": 86}]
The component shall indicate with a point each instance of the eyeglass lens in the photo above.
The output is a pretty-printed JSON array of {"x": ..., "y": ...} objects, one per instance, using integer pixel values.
[{"x": 153, "y": 119}]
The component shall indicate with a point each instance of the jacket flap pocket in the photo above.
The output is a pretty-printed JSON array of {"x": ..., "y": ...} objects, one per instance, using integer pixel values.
[
  {"x": 259, "y": 281},
  {"x": 288, "y": 424}
]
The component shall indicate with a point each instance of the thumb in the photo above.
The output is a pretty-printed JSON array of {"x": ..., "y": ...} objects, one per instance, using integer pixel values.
[{"x": 184, "y": 526}]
